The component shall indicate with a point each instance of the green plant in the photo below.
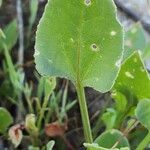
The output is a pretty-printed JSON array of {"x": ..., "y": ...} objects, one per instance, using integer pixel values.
[
  {"x": 142, "y": 114},
  {"x": 81, "y": 41},
  {"x": 81, "y": 49},
  {"x": 6, "y": 120}
]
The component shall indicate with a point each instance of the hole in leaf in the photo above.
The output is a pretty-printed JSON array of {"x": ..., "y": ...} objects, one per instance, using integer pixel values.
[
  {"x": 94, "y": 47},
  {"x": 87, "y": 2}
]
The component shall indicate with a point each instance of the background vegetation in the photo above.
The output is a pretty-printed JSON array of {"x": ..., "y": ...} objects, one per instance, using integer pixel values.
[{"x": 35, "y": 111}]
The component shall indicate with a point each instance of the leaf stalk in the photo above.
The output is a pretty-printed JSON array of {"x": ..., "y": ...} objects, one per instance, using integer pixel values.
[{"x": 84, "y": 113}]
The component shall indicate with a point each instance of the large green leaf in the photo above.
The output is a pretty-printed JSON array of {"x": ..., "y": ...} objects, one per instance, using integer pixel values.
[
  {"x": 143, "y": 112},
  {"x": 134, "y": 78},
  {"x": 114, "y": 136},
  {"x": 11, "y": 35},
  {"x": 5, "y": 119},
  {"x": 80, "y": 40}
]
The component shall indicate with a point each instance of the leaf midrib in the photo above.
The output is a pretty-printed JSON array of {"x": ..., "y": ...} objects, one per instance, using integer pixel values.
[{"x": 78, "y": 78}]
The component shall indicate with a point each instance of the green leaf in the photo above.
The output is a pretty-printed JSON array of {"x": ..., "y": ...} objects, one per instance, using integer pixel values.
[
  {"x": 46, "y": 85},
  {"x": 5, "y": 120},
  {"x": 50, "y": 84},
  {"x": 113, "y": 136},
  {"x": 1, "y": 3},
  {"x": 143, "y": 112},
  {"x": 30, "y": 124},
  {"x": 2, "y": 35},
  {"x": 15, "y": 77},
  {"x": 134, "y": 40},
  {"x": 80, "y": 40},
  {"x": 109, "y": 118},
  {"x": 50, "y": 145},
  {"x": 120, "y": 101},
  {"x": 146, "y": 52},
  {"x": 134, "y": 78},
  {"x": 70, "y": 105},
  {"x": 33, "y": 148},
  {"x": 33, "y": 12},
  {"x": 11, "y": 35},
  {"x": 95, "y": 146}
]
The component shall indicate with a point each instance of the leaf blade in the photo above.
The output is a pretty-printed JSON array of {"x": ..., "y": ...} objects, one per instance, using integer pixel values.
[{"x": 77, "y": 46}]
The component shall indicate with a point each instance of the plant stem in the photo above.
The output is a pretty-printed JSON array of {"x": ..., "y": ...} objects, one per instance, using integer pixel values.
[
  {"x": 84, "y": 113},
  {"x": 29, "y": 105},
  {"x": 45, "y": 103},
  {"x": 99, "y": 124},
  {"x": 144, "y": 143}
]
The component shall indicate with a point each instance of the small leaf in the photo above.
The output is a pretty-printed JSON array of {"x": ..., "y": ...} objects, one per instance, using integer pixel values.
[
  {"x": 2, "y": 35},
  {"x": 46, "y": 85},
  {"x": 50, "y": 145},
  {"x": 95, "y": 146},
  {"x": 33, "y": 12},
  {"x": 120, "y": 101},
  {"x": 30, "y": 124},
  {"x": 55, "y": 129},
  {"x": 33, "y": 148},
  {"x": 70, "y": 105},
  {"x": 1, "y": 3},
  {"x": 80, "y": 46},
  {"x": 142, "y": 113},
  {"x": 15, "y": 134},
  {"x": 134, "y": 78},
  {"x": 109, "y": 118},
  {"x": 11, "y": 35},
  {"x": 49, "y": 85},
  {"x": 5, "y": 119},
  {"x": 114, "y": 136}
]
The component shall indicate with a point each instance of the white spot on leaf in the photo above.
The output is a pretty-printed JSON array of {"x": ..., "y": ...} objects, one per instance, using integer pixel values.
[
  {"x": 72, "y": 40},
  {"x": 113, "y": 33},
  {"x": 118, "y": 63},
  {"x": 97, "y": 79},
  {"x": 129, "y": 75},
  {"x": 134, "y": 30},
  {"x": 135, "y": 60},
  {"x": 50, "y": 61},
  {"x": 128, "y": 43}
]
